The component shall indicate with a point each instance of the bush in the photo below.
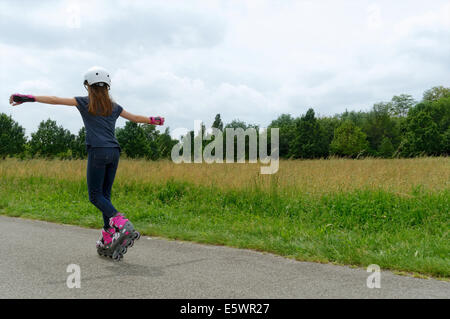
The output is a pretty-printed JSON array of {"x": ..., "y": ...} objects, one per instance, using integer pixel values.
[
  {"x": 349, "y": 141},
  {"x": 12, "y": 136}
]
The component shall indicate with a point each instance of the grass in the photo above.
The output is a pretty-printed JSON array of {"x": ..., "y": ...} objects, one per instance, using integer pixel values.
[{"x": 394, "y": 213}]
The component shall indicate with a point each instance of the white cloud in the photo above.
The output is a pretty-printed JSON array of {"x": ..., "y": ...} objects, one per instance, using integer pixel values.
[
  {"x": 429, "y": 21},
  {"x": 41, "y": 84},
  {"x": 251, "y": 60}
]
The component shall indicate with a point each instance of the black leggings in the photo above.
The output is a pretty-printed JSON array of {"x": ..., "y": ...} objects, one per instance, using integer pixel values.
[{"x": 101, "y": 170}]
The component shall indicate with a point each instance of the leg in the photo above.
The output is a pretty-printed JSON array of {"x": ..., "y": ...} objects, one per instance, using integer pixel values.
[
  {"x": 127, "y": 233},
  {"x": 110, "y": 174},
  {"x": 96, "y": 170}
]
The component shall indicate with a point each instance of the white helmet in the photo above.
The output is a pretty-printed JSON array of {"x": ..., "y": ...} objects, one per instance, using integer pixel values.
[{"x": 98, "y": 75}]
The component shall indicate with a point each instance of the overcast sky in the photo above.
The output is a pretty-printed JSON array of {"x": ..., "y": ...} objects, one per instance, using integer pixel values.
[{"x": 248, "y": 60}]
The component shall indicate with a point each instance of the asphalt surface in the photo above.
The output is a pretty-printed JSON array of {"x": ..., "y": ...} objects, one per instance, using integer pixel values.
[{"x": 35, "y": 256}]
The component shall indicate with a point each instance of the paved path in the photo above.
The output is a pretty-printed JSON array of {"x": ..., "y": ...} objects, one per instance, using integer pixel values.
[{"x": 35, "y": 256}]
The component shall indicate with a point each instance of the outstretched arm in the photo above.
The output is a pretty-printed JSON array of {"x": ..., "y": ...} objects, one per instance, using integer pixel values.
[
  {"x": 17, "y": 99},
  {"x": 142, "y": 119}
]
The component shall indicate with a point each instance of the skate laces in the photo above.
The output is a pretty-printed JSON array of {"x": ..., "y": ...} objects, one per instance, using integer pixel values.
[
  {"x": 107, "y": 236},
  {"x": 118, "y": 221}
]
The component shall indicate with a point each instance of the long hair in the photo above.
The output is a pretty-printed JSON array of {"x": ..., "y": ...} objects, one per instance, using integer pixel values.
[{"x": 99, "y": 100}]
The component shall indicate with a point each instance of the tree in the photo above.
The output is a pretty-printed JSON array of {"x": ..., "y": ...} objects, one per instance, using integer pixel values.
[
  {"x": 357, "y": 118},
  {"x": 165, "y": 143},
  {"x": 79, "y": 144},
  {"x": 309, "y": 140},
  {"x": 236, "y": 125},
  {"x": 400, "y": 127},
  {"x": 133, "y": 140},
  {"x": 12, "y": 136},
  {"x": 286, "y": 124},
  {"x": 151, "y": 134},
  {"x": 328, "y": 126},
  {"x": 439, "y": 111},
  {"x": 200, "y": 142},
  {"x": 401, "y": 104},
  {"x": 349, "y": 140},
  {"x": 51, "y": 140},
  {"x": 218, "y": 124},
  {"x": 386, "y": 148},
  {"x": 379, "y": 125},
  {"x": 436, "y": 93},
  {"x": 422, "y": 135},
  {"x": 446, "y": 143}
]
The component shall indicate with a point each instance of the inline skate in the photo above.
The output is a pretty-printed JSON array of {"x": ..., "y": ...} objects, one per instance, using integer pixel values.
[
  {"x": 127, "y": 233},
  {"x": 109, "y": 245}
]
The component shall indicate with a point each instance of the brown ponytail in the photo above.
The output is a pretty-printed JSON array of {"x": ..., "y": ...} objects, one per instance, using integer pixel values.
[{"x": 99, "y": 101}]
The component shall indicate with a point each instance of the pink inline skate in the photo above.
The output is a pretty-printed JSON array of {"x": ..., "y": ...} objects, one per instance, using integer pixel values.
[
  {"x": 109, "y": 245},
  {"x": 122, "y": 226}
]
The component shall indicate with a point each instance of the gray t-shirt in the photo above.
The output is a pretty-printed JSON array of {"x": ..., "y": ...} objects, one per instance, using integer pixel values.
[{"x": 99, "y": 129}]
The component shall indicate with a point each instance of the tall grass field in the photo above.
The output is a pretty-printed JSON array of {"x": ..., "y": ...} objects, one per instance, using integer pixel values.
[{"x": 394, "y": 213}]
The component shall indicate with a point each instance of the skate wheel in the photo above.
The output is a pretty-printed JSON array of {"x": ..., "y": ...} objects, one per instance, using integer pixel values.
[
  {"x": 116, "y": 257},
  {"x": 124, "y": 250},
  {"x": 137, "y": 235}
]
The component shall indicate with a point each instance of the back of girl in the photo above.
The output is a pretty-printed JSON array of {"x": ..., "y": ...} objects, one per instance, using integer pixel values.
[{"x": 100, "y": 113}]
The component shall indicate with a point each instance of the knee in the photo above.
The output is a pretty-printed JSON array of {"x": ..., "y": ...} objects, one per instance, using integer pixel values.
[
  {"x": 107, "y": 196},
  {"x": 94, "y": 197}
]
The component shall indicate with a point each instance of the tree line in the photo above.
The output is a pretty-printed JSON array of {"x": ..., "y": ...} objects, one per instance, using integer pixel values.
[{"x": 401, "y": 127}]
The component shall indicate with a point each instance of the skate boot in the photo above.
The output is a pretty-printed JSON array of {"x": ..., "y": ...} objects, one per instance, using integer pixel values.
[
  {"x": 109, "y": 246},
  {"x": 127, "y": 234}
]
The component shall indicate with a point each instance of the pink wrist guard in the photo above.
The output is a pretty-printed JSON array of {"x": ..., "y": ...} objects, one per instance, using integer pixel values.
[
  {"x": 21, "y": 98},
  {"x": 156, "y": 120}
]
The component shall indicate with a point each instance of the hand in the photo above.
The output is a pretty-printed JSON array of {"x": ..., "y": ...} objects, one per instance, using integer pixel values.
[
  {"x": 17, "y": 99},
  {"x": 156, "y": 120},
  {"x": 11, "y": 101}
]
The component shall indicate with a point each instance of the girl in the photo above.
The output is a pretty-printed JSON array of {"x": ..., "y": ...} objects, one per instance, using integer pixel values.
[{"x": 99, "y": 115}]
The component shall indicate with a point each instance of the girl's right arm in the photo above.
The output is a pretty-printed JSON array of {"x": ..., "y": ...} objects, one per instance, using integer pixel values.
[
  {"x": 142, "y": 119},
  {"x": 16, "y": 99}
]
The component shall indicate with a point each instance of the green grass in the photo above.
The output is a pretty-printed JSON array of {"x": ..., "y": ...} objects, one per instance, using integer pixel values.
[{"x": 406, "y": 233}]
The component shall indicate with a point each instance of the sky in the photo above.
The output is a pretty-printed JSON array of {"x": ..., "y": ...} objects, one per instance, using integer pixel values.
[{"x": 251, "y": 60}]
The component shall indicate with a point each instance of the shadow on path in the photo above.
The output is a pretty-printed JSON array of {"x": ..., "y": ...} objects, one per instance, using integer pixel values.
[{"x": 118, "y": 269}]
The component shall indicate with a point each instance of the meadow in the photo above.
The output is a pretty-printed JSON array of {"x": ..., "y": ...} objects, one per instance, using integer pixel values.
[{"x": 390, "y": 212}]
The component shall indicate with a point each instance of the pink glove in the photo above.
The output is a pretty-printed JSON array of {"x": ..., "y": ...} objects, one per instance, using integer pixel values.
[
  {"x": 156, "y": 120},
  {"x": 21, "y": 98}
]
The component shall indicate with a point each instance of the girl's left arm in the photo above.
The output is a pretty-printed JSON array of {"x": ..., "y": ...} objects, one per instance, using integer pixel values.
[
  {"x": 17, "y": 99},
  {"x": 142, "y": 119},
  {"x": 56, "y": 100}
]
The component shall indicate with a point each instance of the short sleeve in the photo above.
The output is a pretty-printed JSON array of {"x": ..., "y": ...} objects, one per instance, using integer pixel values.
[
  {"x": 82, "y": 102},
  {"x": 118, "y": 110}
]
